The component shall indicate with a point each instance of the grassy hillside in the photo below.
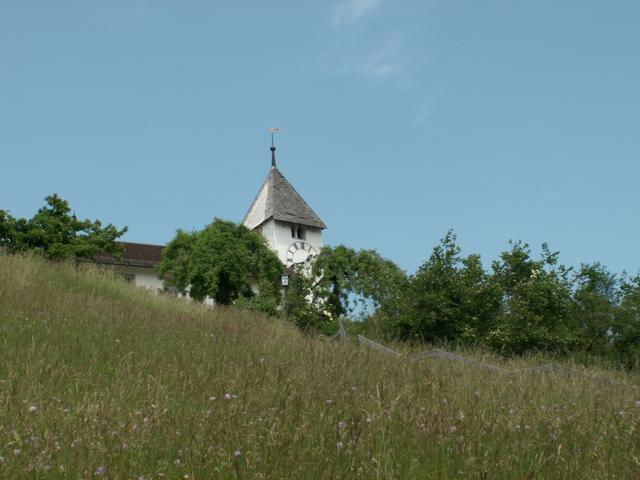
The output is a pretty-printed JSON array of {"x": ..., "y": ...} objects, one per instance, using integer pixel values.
[{"x": 100, "y": 379}]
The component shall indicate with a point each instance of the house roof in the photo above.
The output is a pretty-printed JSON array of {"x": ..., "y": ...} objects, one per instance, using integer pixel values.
[
  {"x": 278, "y": 199},
  {"x": 134, "y": 254}
]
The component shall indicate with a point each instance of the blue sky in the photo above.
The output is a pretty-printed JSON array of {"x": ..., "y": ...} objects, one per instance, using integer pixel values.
[{"x": 400, "y": 119}]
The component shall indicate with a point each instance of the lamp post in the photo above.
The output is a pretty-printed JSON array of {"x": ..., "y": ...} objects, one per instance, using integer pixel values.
[{"x": 284, "y": 278}]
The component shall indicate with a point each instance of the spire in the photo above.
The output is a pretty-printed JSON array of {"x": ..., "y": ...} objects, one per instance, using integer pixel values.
[{"x": 273, "y": 147}]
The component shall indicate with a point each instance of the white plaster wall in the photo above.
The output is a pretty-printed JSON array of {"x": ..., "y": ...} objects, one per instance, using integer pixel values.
[
  {"x": 267, "y": 230},
  {"x": 283, "y": 238},
  {"x": 145, "y": 277}
]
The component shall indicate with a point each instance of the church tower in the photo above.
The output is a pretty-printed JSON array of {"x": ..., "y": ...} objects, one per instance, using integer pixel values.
[{"x": 288, "y": 224}]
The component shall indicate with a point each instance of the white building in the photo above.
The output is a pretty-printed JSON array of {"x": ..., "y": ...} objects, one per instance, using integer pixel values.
[
  {"x": 279, "y": 213},
  {"x": 288, "y": 224}
]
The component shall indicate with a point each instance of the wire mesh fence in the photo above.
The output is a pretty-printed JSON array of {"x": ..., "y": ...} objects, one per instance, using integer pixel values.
[{"x": 341, "y": 335}]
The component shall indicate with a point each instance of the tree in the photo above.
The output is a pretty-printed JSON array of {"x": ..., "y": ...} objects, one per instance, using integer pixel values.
[
  {"x": 449, "y": 299},
  {"x": 220, "y": 262},
  {"x": 536, "y": 303},
  {"x": 342, "y": 282},
  {"x": 625, "y": 333},
  {"x": 57, "y": 234},
  {"x": 596, "y": 297}
]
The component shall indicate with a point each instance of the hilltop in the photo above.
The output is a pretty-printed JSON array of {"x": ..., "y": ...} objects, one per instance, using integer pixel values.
[{"x": 99, "y": 378}]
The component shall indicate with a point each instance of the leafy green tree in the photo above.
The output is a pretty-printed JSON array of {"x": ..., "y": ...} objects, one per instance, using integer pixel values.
[
  {"x": 596, "y": 297},
  {"x": 625, "y": 333},
  {"x": 221, "y": 261},
  {"x": 536, "y": 303},
  {"x": 308, "y": 304},
  {"x": 57, "y": 234},
  {"x": 343, "y": 282},
  {"x": 449, "y": 299}
]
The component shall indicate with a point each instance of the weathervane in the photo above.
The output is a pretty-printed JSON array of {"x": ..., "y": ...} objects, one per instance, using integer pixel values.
[{"x": 273, "y": 147}]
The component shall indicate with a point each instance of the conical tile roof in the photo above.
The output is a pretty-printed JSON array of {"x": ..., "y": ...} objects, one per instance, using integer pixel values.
[{"x": 278, "y": 199}]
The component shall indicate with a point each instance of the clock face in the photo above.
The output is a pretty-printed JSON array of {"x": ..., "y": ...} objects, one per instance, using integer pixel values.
[{"x": 300, "y": 252}]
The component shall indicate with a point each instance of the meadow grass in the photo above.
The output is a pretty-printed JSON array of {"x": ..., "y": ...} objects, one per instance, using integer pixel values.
[{"x": 101, "y": 379}]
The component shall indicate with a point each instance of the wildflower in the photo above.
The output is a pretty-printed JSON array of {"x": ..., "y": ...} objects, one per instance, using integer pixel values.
[
  {"x": 177, "y": 462},
  {"x": 453, "y": 429},
  {"x": 101, "y": 470},
  {"x": 460, "y": 416},
  {"x": 33, "y": 408},
  {"x": 229, "y": 396},
  {"x": 621, "y": 413},
  {"x": 328, "y": 402},
  {"x": 477, "y": 393},
  {"x": 212, "y": 398},
  {"x": 16, "y": 452},
  {"x": 145, "y": 420},
  {"x": 637, "y": 403},
  {"x": 342, "y": 425},
  {"x": 1, "y": 459},
  {"x": 339, "y": 445},
  {"x": 237, "y": 453}
]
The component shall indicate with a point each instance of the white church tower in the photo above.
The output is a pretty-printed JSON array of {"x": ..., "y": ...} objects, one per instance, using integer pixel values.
[{"x": 288, "y": 224}]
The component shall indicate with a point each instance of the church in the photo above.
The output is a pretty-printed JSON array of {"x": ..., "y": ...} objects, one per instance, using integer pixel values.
[{"x": 285, "y": 220}]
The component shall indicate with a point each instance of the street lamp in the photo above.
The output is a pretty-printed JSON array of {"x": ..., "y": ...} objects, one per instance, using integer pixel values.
[{"x": 284, "y": 278}]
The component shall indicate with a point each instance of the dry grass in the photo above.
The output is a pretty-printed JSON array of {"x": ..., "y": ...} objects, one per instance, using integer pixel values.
[{"x": 100, "y": 379}]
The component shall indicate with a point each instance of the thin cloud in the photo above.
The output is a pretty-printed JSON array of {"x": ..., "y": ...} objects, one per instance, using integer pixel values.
[
  {"x": 386, "y": 61},
  {"x": 390, "y": 61},
  {"x": 349, "y": 11}
]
